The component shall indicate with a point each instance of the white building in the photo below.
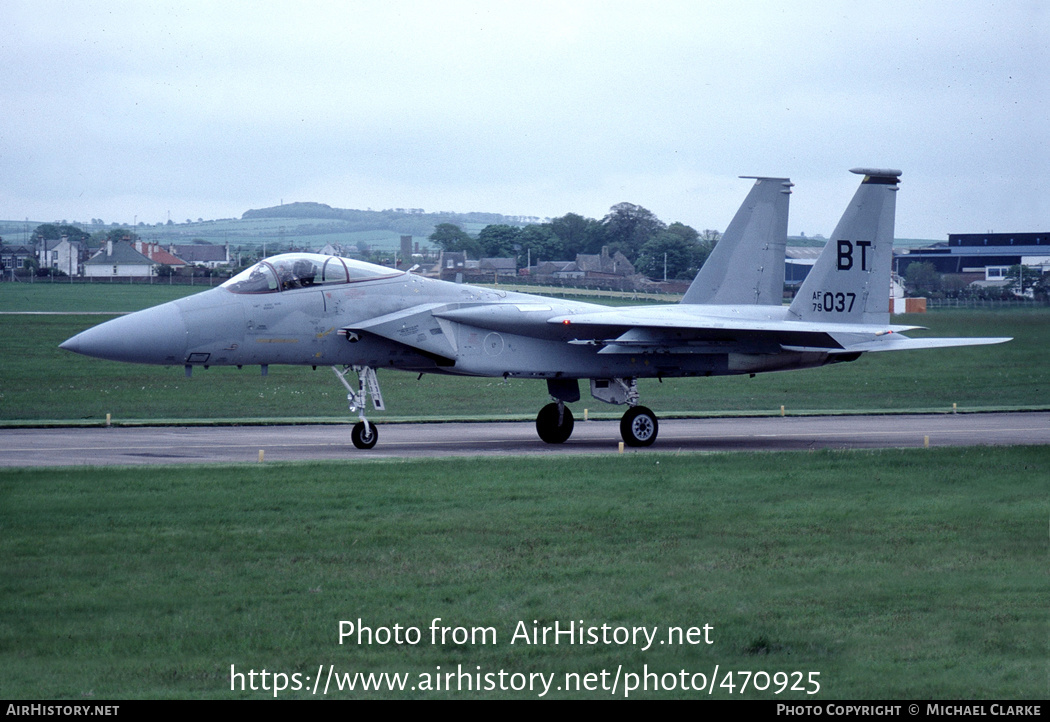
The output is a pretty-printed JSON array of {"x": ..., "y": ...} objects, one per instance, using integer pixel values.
[
  {"x": 62, "y": 255},
  {"x": 118, "y": 260}
]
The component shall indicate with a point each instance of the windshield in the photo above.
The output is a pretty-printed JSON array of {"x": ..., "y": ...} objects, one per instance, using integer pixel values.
[{"x": 301, "y": 270}]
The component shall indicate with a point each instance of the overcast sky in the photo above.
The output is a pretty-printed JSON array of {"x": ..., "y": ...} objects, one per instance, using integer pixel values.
[{"x": 122, "y": 110}]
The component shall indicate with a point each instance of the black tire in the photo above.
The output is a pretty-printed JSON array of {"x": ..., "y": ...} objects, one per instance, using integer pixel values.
[
  {"x": 638, "y": 427},
  {"x": 362, "y": 438},
  {"x": 549, "y": 429}
]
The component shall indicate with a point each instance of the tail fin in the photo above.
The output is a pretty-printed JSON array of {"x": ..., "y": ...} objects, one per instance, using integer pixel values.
[
  {"x": 747, "y": 264},
  {"x": 850, "y": 282}
]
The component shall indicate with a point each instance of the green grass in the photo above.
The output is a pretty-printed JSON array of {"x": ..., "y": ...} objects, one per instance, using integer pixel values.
[
  {"x": 61, "y": 297},
  {"x": 39, "y": 382},
  {"x": 910, "y": 574}
]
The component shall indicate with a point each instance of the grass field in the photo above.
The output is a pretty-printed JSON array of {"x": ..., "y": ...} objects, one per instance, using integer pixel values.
[
  {"x": 39, "y": 382},
  {"x": 904, "y": 574}
]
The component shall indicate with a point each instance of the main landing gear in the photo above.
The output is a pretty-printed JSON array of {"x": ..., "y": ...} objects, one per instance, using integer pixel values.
[
  {"x": 638, "y": 427},
  {"x": 554, "y": 423},
  {"x": 364, "y": 434}
]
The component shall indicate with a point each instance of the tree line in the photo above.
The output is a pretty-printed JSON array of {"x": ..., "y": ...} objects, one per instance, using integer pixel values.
[
  {"x": 75, "y": 234},
  {"x": 646, "y": 241}
]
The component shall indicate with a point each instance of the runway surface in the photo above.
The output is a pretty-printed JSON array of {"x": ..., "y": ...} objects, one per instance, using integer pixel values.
[{"x": 233, "y": 444}]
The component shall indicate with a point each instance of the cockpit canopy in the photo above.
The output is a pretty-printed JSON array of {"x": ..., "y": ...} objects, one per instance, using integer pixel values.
[{"x": 301, "y": 270}]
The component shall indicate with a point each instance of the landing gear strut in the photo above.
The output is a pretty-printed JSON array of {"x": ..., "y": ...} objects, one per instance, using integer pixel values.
[
  {"x": 364, "y": 434},
  {"x": 554, "y": 423}
]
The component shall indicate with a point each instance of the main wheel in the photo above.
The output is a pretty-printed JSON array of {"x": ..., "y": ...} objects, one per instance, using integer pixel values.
[
  {"x": 364, "y": 435},
  {"x": 548, "y": 426},
  {"x": 638, "y": 426}
]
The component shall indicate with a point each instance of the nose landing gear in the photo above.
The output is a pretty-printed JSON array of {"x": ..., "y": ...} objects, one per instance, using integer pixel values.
[{"x": 364, "y": 435}]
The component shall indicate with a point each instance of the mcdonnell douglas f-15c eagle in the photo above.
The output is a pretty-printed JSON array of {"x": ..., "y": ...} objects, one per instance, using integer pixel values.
[{"x": 311, "y": 309}]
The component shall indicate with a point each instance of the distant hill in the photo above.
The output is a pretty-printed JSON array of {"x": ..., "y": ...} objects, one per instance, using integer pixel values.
[
  {"x": 295, "y": 210},
  {"x": 408, "y": 221}
]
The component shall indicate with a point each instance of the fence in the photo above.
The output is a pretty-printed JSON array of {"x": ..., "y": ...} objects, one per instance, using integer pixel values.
[
  {"x": 173, "y": 280},
  {"x": 983, "y": 303}
]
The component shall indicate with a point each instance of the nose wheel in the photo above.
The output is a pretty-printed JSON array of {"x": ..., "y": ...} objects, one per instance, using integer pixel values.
[
  {"x": 364, "y": 434},
  {"x": 638, "y": 426}
]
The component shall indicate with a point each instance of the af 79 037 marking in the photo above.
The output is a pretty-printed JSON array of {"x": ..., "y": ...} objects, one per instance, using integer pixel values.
[{"x": 829, "y": 302}]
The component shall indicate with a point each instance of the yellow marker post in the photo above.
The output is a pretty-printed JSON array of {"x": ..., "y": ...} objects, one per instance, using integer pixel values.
[
  {"x": 954, "y": 407},
  {"x": 109, "y": 419},
  {"x": 262, "y": 453},
  {"x": 782, "y": 409},
  {"x": 621, "y": 447},
  {"x": 926, "y": 441},
  {"x": 585, "y": 414}
]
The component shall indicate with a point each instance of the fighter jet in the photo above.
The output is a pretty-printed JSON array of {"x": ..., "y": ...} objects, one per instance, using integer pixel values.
[{"x": 311, "y": 309}]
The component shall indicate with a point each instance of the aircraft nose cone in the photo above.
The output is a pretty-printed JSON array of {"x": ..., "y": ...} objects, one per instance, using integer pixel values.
[
  {"x": 154, "y": 336},
  {"x": 71, "y": 344}
]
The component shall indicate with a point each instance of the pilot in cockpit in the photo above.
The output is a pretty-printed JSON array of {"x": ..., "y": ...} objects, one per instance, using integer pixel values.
[{"x": 304, "y": 271}]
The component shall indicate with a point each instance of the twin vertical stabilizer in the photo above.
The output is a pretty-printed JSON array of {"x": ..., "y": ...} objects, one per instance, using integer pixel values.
[
  {"x": 747, "y": 265},
  {"x": 850, "y": 282}
]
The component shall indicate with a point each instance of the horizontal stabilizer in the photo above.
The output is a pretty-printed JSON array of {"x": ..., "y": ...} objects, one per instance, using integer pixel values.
[
  {"x": 896, "y": 342},
  {"x": 677, "y": 317}
]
